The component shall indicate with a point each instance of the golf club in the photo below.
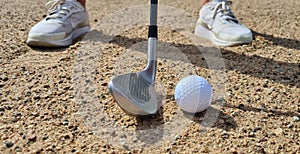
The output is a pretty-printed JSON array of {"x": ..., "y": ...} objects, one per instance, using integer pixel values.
[{"x": 135, "y": 92}]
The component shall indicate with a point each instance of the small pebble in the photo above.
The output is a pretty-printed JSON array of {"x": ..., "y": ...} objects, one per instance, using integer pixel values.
[
  {"x": 9, "y": 144},
  {"x": 252, "y": 134},
  {"x": 45, "y": 137},
  {"x": 32, "y": 138},
  {"x": 2, "y": 109},
  {"x": 45, "y": 92},
  {"x": 17, "y": 114},
  {"x": 65, "y": 122},
  {"x": 296, "y": 118}
]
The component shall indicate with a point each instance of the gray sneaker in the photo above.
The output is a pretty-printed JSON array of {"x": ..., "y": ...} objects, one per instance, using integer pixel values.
[
  {"x": 218, "y": 24},
  {"x": 66, "y": 20}
]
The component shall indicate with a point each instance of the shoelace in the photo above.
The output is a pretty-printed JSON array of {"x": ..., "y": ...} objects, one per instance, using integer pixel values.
[
  {"x": 57, "y": 9},
  {"x": 224, "y": 8}
]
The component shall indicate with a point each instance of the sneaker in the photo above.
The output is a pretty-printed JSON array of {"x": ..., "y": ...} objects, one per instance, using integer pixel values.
[
  {"x": 218, "y": 24},
  {"x": 66, "y": 20}
]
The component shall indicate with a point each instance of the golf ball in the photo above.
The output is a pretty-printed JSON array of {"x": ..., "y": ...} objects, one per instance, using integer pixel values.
[{"x": 193, "y": 94}]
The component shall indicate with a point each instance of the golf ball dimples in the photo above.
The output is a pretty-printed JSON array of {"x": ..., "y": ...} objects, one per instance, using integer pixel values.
[{"x": 193, "y": 94}]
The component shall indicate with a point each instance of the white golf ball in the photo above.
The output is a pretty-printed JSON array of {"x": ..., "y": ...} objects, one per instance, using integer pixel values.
[{"x": 193, "y": 94}]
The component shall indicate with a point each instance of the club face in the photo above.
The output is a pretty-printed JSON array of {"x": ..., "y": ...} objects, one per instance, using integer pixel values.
[{"x": 134, "y": 94}]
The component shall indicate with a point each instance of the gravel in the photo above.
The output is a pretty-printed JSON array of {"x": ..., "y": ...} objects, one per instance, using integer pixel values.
[{"x": 57, "y": 100}]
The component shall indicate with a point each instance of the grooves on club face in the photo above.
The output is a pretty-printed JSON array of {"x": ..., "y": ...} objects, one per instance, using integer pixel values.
[{"x": 134, "y": 94}]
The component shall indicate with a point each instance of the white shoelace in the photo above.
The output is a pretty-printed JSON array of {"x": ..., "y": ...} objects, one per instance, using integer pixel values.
[
  {"x": 224, "y": 8},
  {"x": 57, "y": 9}
]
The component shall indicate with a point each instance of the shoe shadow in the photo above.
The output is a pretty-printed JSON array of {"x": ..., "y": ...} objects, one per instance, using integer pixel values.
[
  {"x": 284, "y": 42},
  {"x": 48, "y": 49},
  {"x": 285, "y": 73},
  {"x": 150, "y": 129}
]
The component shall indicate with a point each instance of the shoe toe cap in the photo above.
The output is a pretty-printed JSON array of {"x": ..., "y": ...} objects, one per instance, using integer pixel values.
[
  {"x": 47, "y": 31},
  {"x": 239, "y": 33}
]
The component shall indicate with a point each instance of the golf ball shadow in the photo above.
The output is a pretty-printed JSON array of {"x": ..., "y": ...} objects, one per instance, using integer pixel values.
[
  {"x": 100, "y": 119},
  {"x": 152, "y": 129}
]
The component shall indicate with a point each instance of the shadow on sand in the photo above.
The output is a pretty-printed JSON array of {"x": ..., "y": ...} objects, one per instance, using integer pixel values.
[{"x": 260, "y": 67}]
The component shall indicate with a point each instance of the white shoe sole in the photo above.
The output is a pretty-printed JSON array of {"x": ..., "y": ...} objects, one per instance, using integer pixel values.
[
  {"x": 59, "y": 43},
  {"x": 203, "y": 32}
]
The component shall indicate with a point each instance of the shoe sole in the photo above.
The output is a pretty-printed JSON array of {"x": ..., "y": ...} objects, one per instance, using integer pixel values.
[
  {"x": 203, "y": 32},
  {"x": 59, "y": 43}
]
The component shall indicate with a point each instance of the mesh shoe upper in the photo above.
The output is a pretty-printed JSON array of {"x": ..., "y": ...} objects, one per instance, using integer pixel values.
[
  {"x": 63, "y": 17},
  {"x": 217, "y": 17}
]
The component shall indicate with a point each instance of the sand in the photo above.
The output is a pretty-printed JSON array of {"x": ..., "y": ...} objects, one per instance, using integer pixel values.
[{"x": 57, "y": 100}]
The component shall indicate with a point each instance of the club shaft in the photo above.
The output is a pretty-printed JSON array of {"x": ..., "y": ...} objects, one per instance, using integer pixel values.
[
  {"x": 150, "y": 70},
  {"x": 152, "y": 49},
  {"x": 152, "y": 35},
  {"x": 153, "y": 14},
  {"x": 153, "y": 19}
]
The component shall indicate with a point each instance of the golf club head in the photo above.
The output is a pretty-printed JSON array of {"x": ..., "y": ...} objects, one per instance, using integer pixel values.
[{"x": 134, "y": 94}]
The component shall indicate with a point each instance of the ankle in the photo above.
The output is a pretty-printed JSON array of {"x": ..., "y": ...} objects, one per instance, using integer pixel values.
[
  {"x": 205, "y": 1},
  {"x": 82, "y": 2}
]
